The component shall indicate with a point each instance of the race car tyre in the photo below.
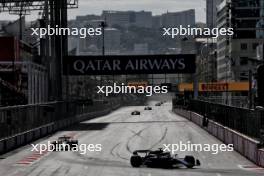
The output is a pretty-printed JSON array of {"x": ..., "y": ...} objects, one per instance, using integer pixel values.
[
  {"x": 136, "y": 161},
  {"x": 74, "y": 142},
  {"x": 190, "y": 160}
]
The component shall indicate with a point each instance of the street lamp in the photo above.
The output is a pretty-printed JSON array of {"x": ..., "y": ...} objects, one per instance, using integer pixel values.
[{"x": 103, "y": 25}]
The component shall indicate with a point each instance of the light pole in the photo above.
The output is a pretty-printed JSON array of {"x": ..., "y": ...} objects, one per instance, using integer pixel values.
[{"x": 103, "y": 25}]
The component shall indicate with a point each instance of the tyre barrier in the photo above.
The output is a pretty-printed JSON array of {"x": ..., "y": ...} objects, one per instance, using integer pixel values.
[{"x": 244, "y": 145}]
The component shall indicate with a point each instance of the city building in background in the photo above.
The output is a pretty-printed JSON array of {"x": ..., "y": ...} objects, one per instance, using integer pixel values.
[
  {"x": 128, "y": 18},
  {"x": 236, "y": 54},
  {"x": 206, "y": 59},
  {"x": 141, "y": 48},
  {"x": 208, "y": 52},
  {"x": 24, "y": 78},
  {"x": 211, "y": 12},
  {"x": 175, "y": 19},
  {"x": 112, "y": 41}
]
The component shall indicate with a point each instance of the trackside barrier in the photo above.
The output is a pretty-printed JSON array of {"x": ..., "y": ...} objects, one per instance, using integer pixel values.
[
  {"x": 23, "y": 138},
  {"x": 261, "y": 157},
  {"x": 20, "y": 140},
  {"x": 10, "y": 143},
  {"x": 243, "y": 144},
  {"x": 29, "y": 136},
  {"x": 2, "y": 146},
  {"x": 221, "y": 132}
]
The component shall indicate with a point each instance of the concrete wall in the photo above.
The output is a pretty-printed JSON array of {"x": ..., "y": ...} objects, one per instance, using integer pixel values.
[
  {"x": 246, "y": 146},
  {"x": 13, "y": 142}
]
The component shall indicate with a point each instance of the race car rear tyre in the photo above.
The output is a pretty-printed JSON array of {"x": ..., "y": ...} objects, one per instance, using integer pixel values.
[
  {"x": 190, "y": 160},
  {"x": 136, "y": 161},
  {"x": 74, "y": 142}
]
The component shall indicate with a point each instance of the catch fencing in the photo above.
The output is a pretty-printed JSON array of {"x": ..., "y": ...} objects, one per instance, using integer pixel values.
[{"x": 246, "y": 121}]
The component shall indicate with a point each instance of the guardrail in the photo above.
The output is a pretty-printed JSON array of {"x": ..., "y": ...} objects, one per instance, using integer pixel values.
[
  {"x": 243, "y": 144},
  {"x": 20, "y": 125},
  {"x": 18, "y": 119},
  {"x": 246, "y": 121}
]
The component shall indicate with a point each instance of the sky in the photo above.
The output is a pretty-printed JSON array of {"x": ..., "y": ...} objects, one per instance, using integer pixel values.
[{"x": 156, "y": 6}]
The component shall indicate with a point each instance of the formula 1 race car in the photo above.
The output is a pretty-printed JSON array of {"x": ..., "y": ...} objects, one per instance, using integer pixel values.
[
  {"x": 135, "y": 113},
  {"x": 148, "y": 108},
  {"x": 64, "y": 143},
  {"x": 161, "y": 159},
  {"x": 158, "y": 104}
]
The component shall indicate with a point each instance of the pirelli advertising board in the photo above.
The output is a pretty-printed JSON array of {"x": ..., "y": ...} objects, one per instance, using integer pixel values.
[
  {"x": 216, "y": 87},
  {"x": 134, "y": 64}
]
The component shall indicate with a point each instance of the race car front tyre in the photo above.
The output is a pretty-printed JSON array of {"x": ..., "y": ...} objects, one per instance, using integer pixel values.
[
  {"x": 136, "y": 161},
  {"x": 190, "y": 160}
]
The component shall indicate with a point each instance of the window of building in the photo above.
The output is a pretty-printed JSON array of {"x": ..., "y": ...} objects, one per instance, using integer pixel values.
[
  {"x": 254, "y": 46},
  {"x": 243, "y": 61},
  {"x": 243, "y": 46},
  {"x": 243, "y": 76}
]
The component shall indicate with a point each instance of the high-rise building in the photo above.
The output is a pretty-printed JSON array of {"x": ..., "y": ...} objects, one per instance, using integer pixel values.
[
  {"x": 211, "y": 12},
  {"x": 143, "y": 19},
  {"x": 116, "y": 18},
  {"x": 175, "y": 19},
  {"x": 128, "y": 18},
  {"x": 235, "y": 53},
  {"x": 260, "y": 24},
  {"x": 141, "y": 48},
  {"x": 112, "y": 41},
  {"x": 87, "y": 18},
  {"x": 156, "y": 22}
]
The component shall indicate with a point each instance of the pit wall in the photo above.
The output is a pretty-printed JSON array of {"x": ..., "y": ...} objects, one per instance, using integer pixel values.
[{"x": 244, "y": 145}]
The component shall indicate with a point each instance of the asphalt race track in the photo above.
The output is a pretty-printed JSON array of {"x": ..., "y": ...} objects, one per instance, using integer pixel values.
[{"x": 120, "y": 133}]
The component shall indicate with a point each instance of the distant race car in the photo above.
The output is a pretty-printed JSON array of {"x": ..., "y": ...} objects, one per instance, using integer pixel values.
[
  {"x": 135, "y": 113},
  {"x": 158, "y": 104},
  {"x": 161, "y": 159},
  {"x": 64, "y": 143},
  {"x": 148, "y": 108}
]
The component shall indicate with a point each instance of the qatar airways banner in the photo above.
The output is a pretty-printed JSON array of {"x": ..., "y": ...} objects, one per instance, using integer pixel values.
[{"x": 133, "y": 64}]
